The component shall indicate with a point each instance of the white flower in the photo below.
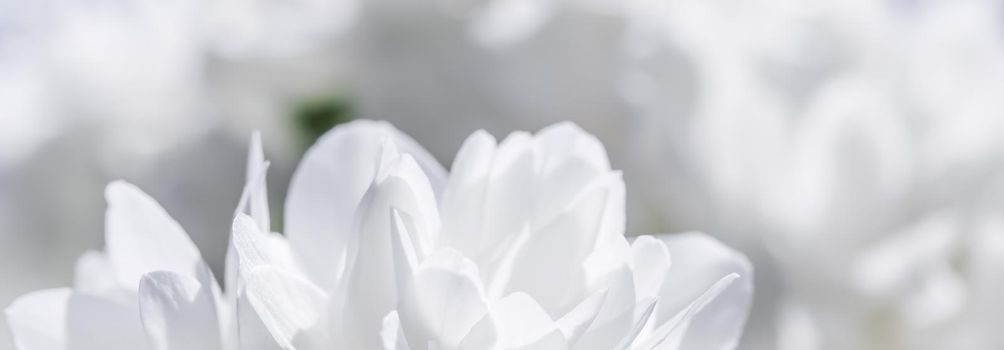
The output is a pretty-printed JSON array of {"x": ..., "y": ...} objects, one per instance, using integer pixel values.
[{"x": 521, "y": 246}]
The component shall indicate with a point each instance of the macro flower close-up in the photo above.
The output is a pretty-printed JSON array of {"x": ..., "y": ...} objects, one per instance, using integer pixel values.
[
  {"x": 502, "y": 174},
  {"x": 521, "y": 245}
]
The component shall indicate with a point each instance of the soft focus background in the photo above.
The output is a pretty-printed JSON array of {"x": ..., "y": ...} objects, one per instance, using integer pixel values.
[{"x": 854, "y": 149}]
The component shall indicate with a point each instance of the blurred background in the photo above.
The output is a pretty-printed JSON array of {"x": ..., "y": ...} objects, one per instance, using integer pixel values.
[{"x": 852, "y": 148}]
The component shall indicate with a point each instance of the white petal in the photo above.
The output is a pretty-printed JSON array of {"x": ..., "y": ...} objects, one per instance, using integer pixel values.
[
  {"x": 515, "y": 322},
  {"x": 671, "y": 334},
  {"x": 442, "y": 301},
  {"x": 643, "y": 314},
  {"x": 328, "y": 186},
  {"x": 568, "y": 161},
  {"x": 405, "y": 253},
  {"x": 391, "y": 333},
  {"x": 568, "y": 140},
  {"x": 700, "y": 263},
  {"x": 179, "y": 312},
  {"x": 650, "y": 264},
  {"x": 548, "y": 265},
  {"x": 371, "y": 289},
  {"x": 256, "y": 177},
  {"x": 291, "y": 308},
  {"x": 506, "y": 210},
  {"x": 254, "y": 198},
  {"x": 38, "y": 320},
  {"x": 619, "y": 314},
  {"x": 141, "y": 237},
  {"x": 576, "y": 322},
  {"x": 463, "y": 200},
  {"x": 250, "y": 248},
  {"x": 251, "y": 331}
]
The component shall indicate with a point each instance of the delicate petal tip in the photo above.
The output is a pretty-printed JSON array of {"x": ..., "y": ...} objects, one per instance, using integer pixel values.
[
  {"x": 140, "y": 236},
  {"x": 567, "y": 127},
  {"x": 254, "y": 197},
  {"x": 568, "y": 138},
  {"x": 256, "y": 153},
  {"x": 480, "y": 136},
  {"x": 119, "y": 188}
]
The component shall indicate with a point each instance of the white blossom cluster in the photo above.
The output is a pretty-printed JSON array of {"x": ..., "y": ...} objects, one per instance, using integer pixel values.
[
  {"x": 852, "y": 149},
  {"x": 520, "y": 246}
]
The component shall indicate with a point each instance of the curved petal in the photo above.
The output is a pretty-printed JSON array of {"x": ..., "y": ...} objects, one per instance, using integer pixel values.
[
  {"x": 254, "y": 197},
  {"x": 442, "y": 301},
  {"x": 391, "y": 334},
  {"x": 567, "y": 161},
  {"x": 671, "y": 334},
  {"x": 700, "y": 263},
  {"x": 548, "y": 264},
  {"x": 252, "y": 334},
  {"x": 650, "y": 263},
  {"x": 515, "y": 322},
  {"x": 575, "y": 323},
  {"x": 371, "y": 290},
  {"x": 328, "y": 186},
  {"x": 463, "y": 199},
  {"x": 141, "y": 237},
  {"x": 250, "y": 248},
  {"x": 38, "y": 320},
  {"x": 179, "y": 312},
  {"x": 291, "y": 308},
  {"x": 619, "y": 314}
]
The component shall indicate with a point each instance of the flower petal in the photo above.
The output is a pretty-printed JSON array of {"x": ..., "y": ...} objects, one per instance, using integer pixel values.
[
  {"x": 671, "y": 334},
  {"x": 38, "y": 320},
  {"x": 576, "y": 322},
  {"x": 442, "y": 301},
  {"x": 547, "y": 265},
  {"x": 463, "y": 199},
  {"x": 254, "y": 198},
  {"x": 515, "y": 322},
  {"x": 371, "y": 290},
  {"x": 328, "y": 186},
  {"x": 251, "y": 331},
  {"x": 391, "y": 334},
  {"x": 650, "y": 264},
  {"x": 291, "y": 308},
  {"x": 179, "y": 312},
  {"x": 141, "y": 237},
  {"x": 699, "y": 264}
]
